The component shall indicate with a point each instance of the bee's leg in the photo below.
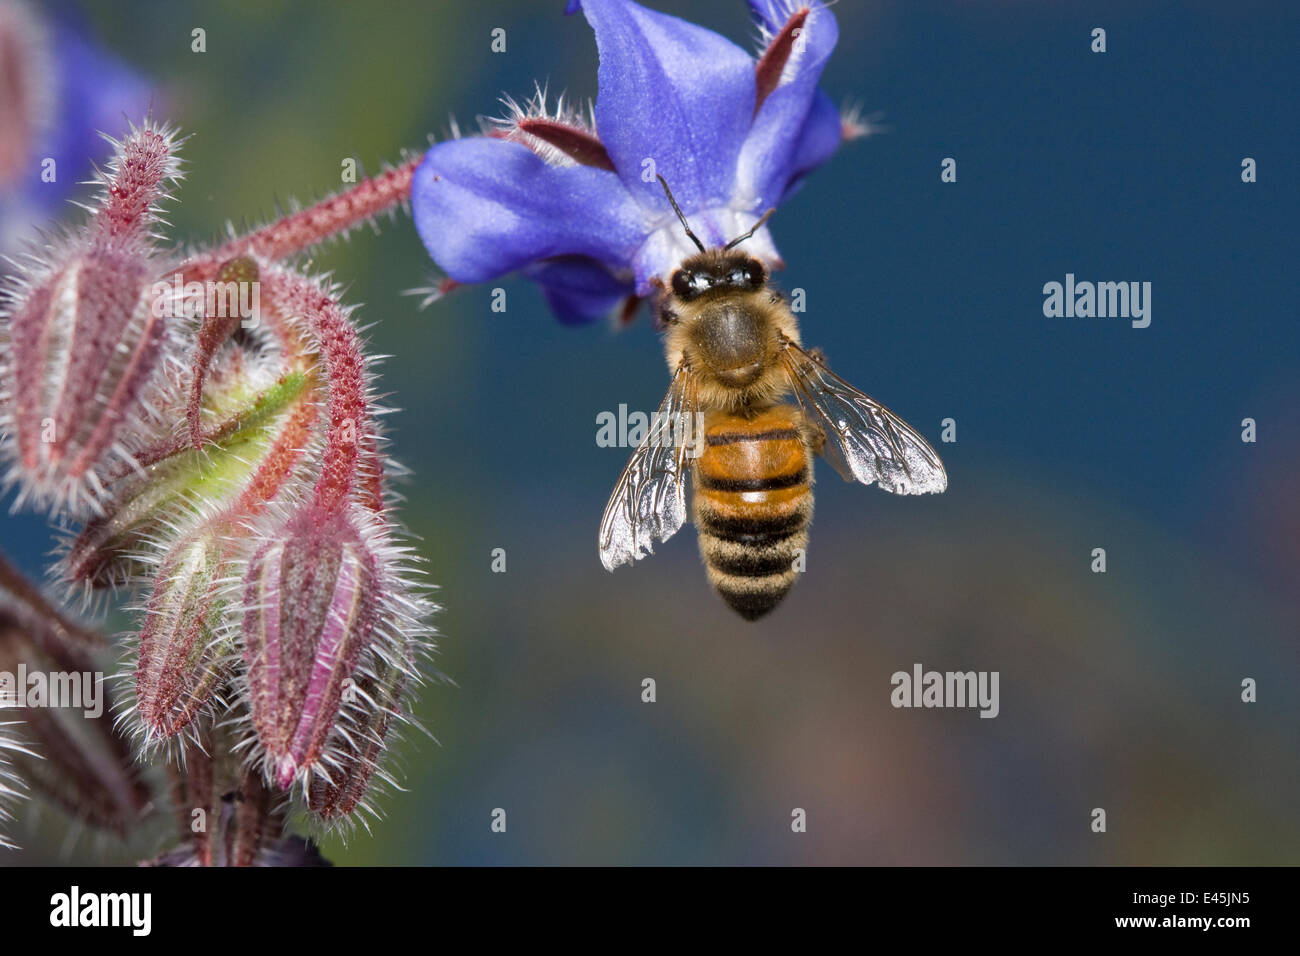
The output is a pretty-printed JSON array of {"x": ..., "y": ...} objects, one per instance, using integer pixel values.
[
  {"x": 814, "y": 436},
  {"x": 659, "y": 303}
]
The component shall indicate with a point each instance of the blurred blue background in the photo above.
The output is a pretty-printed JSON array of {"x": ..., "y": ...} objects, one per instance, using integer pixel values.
[{"x": 1118, "y": 690}]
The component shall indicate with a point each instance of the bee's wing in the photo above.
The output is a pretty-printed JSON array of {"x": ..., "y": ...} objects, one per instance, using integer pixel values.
[
  {"x": 865, "y": 441},
  {"x": 649, "y": 501}
]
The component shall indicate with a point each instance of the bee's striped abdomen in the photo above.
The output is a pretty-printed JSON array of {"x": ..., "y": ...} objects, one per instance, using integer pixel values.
[{"x": 753, "y": 502}]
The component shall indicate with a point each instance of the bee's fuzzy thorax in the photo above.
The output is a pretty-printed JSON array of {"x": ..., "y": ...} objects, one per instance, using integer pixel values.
[{"x": 774, "y": 320}]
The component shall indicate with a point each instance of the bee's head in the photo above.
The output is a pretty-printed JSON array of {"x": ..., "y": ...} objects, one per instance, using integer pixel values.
[
  {"x": 723, "y": 312},
  {"x": 717, "y": 271}
]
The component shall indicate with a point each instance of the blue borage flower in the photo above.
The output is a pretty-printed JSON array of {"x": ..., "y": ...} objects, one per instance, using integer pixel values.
[{"x": 571, "y": 200}]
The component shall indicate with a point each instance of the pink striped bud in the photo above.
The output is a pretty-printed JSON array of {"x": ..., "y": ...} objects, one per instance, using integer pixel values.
[
  {"x": 233, "y": 473},
  {"x": 84, "y": 337},
  {"x": 184, "y": 649},
  {"x": 311, "y": 606}
]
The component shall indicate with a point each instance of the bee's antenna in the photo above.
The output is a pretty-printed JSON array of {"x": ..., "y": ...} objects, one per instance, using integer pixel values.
[
  {"x": 752, "y": 229},
  {"x": 678, "y": 209}
]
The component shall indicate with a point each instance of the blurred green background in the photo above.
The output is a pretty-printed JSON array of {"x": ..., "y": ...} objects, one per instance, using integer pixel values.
[{"x": 1118, "y": 690}]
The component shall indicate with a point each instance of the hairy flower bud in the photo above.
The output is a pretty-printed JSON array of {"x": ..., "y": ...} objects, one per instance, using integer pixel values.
[
  {"x": 85, "y": 343},
  {"x": 183, "y": 651},
  {"x": 310, "y": 611},
  {"x": 84, "y": 339},
  {"x": 229, "y": 470},
  {"x": 263, "y": 431}
]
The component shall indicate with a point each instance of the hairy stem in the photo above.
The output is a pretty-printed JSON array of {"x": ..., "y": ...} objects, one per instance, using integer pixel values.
[{"x": 323, "y": 220}]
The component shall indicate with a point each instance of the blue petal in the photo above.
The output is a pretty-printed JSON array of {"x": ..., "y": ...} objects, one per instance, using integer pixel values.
[
  {"x": 823, "y": 132},
  {"x": 579, "y": 290},
  {"x": 774, "y": 154},
  {"x": 672, "y": 92},
  {"x": 486, "y": 207}
]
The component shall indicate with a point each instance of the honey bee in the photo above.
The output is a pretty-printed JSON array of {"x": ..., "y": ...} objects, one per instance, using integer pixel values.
[{"x": 734, "y": 352}]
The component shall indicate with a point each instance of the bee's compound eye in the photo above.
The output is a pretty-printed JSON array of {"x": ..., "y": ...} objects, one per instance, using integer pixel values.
[
  {"x": 682, "y": 281},
  {"x": 755, "y": 273}
]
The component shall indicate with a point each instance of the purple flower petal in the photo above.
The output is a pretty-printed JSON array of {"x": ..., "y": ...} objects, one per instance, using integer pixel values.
[
  {"x": 676, "y": 100},
  {"x": 486, "y": 207},
  {"x": 823, "y": 132},
  {"x": 774, "y": 152},
  {"x": 579, "y": 290},
  {"x": 673, "y": 92}
]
